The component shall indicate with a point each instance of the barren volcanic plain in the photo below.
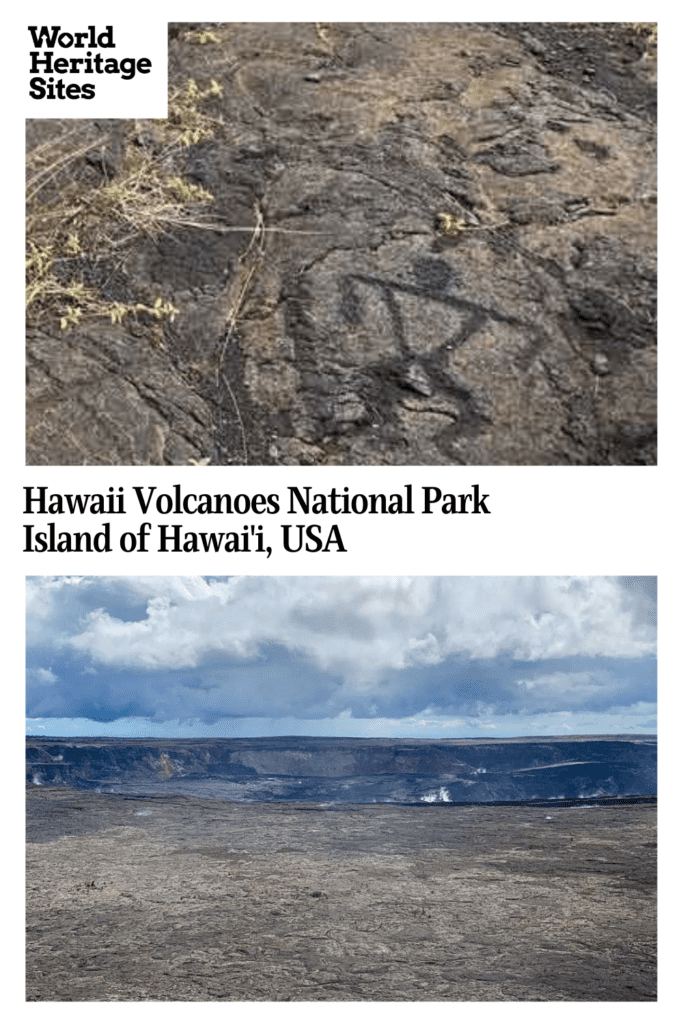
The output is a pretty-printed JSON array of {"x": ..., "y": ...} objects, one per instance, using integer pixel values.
[{"x": 182, "y": 898}]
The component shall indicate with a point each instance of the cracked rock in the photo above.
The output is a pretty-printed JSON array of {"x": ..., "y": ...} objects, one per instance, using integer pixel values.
[{"x": 349, "y": 145}]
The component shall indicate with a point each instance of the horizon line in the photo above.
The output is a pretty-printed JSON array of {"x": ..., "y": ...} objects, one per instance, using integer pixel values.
[{"x": 367, "y": 739}]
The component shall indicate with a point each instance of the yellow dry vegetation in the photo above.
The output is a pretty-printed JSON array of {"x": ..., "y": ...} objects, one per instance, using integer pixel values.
[{"x": 73, "y": 225}]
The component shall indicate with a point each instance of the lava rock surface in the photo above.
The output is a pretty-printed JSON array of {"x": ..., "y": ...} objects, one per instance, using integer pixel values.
[
  {"x": 199, "y": 900},
  {"x": 458, "y": 263}
]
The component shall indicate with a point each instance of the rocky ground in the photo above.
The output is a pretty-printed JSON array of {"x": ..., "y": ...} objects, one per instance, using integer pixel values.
[
  {"x": 431, "y": 245},
  {"x": 186, "y": 899}
]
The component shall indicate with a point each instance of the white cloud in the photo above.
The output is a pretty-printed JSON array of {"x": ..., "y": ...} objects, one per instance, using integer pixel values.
[
  {"x": 43, "y": 676},
  {"x": 361, "y": 627},
  {"x": 310, "y": 647}
]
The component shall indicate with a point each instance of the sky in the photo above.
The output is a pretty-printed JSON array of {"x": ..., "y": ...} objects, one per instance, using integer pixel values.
[{"x": 441, "y": 656}]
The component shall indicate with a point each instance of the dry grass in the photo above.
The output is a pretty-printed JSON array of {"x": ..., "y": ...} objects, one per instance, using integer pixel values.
[{"x": 75, "y": 223}]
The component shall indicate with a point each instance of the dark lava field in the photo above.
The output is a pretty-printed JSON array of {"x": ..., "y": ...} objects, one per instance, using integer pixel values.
[
  {"x": 176, "y": 898},
  {"x": 283, "y": 886}
]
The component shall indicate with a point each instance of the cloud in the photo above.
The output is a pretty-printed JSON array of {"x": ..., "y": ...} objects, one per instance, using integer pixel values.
[
  {"x": 313, "y": 647},
  {"x": 43, "y": 676}
]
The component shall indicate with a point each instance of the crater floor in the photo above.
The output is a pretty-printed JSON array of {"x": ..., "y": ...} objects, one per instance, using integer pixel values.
[{"x": 177, "y": 898}]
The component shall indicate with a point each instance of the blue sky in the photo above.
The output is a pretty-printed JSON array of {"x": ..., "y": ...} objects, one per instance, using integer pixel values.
[{"x": 341, "y": 656}]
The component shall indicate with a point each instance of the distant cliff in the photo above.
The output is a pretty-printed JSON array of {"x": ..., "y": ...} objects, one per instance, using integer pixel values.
[{"x": 352, "y": 770}]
